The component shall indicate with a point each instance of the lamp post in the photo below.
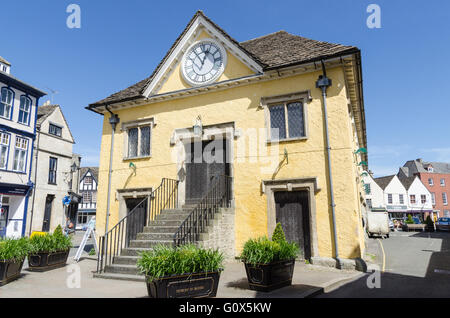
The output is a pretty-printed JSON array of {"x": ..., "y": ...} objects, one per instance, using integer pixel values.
[{"x": 113, "y": 121}]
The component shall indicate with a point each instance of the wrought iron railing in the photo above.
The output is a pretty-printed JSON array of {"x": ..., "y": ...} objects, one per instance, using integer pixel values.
[
  {"x": 120, "y": 236},
  {"x": 218, "y": 196}
]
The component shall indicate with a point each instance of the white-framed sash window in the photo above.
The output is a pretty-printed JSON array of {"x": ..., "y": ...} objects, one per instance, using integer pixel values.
[
  {"x": 24, "y": 109},
  {"x": 6, "y": 102},
  {"x": 20, "y": 154},
  {"x": 4, "y": 149}
]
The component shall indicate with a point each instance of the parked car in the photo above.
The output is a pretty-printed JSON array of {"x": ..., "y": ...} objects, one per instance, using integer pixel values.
[{"x": 443, "y": 224}]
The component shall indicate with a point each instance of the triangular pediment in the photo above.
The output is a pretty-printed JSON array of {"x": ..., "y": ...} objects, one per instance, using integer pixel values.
[{"x": 170, "y": 75}]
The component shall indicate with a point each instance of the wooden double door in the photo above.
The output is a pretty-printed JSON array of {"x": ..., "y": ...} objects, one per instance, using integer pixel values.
[
  {"x": 292, "y": 211},
  {"x": 204, "y": 161}
]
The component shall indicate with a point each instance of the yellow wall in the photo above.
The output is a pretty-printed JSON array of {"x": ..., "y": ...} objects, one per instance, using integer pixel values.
[{"x": 307, "y": 158}]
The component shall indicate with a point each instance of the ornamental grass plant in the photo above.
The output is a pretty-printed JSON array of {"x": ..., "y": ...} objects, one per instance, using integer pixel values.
[
  {"x": 188, "y": 259},
  {"x": 48, "y": 243},
  {"x": 264, "y": 251},
  {"x": 14, "y": 249}
]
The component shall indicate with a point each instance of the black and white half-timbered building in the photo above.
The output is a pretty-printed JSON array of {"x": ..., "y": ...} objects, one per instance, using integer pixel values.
[{"x": 88, "y": 190}]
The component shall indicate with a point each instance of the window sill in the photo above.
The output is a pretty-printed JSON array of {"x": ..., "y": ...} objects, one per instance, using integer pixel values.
[
  {"x": 51, "y": 183},
  {"x": 136, "y": 158},
  {"x": 286, "y": 140}
]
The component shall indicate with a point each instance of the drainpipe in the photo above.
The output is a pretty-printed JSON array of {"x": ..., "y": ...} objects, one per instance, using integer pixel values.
[
  {"x": 113, "y": 120},
  {"x": 38, "y": 134},
  {"x": 323, "y": 83}
]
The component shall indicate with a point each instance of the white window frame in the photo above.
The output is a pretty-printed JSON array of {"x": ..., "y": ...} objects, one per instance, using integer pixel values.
[
  {"x": 137, "y": 124},
  {"x": 5, "y": 140},
  {"x": 401, "y": 199},
  {"x": 270, "y": 101},
  {"x": 390, "y": 198},
  {"x": 442, "y": 182},
  {"x": 423, "y": 198},
  {"x": 433, "y": 198},
  {"x": 444, "y": 198},
  {"x": 430, "y": 183},
  {"x": 21, "y": 145},
  {"x": 412, "y": 197},
  {"x": 7, "y": 104},
  {"x": 87, "y": 194},
  {"x": 22, "y": 108}
]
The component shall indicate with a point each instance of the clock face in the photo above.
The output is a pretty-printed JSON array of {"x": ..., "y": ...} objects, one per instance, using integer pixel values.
[{"x": 203, "y": 62}]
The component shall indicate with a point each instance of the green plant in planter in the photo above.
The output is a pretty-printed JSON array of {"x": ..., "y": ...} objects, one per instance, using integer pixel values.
[
  {"x": 58, "y": 231},
  {"x": 278, "y": 234},
  {"x": 50, "y": 243},
  {"x": 409, "y": 220},
  {"x": 14, "y": 249},
  {"x": 188, "y": 259},
  {"x": 265, "y": 251}
]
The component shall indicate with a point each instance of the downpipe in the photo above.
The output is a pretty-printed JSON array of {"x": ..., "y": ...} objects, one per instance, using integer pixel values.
[{"x": 323, "y": 83}]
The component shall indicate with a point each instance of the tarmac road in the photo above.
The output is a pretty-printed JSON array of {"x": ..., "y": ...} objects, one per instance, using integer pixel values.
[{"x": 417, "y": 264}]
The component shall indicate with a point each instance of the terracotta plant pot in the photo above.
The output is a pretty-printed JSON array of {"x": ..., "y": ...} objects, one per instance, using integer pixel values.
[
  {"x": 9, "y": 271},
  {"x": 268, "y": 277},
  {"x": 44, "y": 261},
  {"x": 198, "y": 285}
]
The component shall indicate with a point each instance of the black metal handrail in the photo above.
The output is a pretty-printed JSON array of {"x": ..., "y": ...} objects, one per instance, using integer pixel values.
[
  {"x": 126, "y": 230},
  {"x": 218, "y": 196}
]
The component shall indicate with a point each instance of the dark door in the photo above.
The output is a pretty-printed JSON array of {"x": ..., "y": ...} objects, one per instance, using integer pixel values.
[
  {"x": 137, "y": 219},
  {"x": 3, "y": 220},
  {"x": 204, "y": 161},
  {"x": 292, "y": 211},
  {"x": 47, "y": 213}
]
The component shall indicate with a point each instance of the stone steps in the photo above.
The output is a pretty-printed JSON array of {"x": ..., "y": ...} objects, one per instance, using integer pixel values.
[
  {"x": 125, "y": 260},
  {"x": 135, "y": 278},
  {"x": 160, "y": 229},
  {"x": 123, "y": 269},
  {"x": 149, "y": 243},
  {"x": 154, "y": 236},
  {"x": 158, "y": 232}
]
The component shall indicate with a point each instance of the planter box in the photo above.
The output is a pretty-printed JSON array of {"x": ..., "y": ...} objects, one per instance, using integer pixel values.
[
  {"x": 268, "y": 277},
  {"x": 45, "y": 261},
  {"x": 9, "y": 271},
  {"x": 414, "y": 227},
  {"x": 198, "y": 285}
]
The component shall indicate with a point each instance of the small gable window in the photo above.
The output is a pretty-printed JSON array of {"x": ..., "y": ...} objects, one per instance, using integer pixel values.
[
  {"x": 24, "y": 109},
  {"x": 55, "y": 130},
  {"x": 88, "y": 180}
]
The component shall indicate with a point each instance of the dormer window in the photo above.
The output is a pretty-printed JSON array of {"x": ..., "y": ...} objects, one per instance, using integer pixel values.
[
  {"x": 55, "y": 130},
  {"x": 430, "y": 169}
]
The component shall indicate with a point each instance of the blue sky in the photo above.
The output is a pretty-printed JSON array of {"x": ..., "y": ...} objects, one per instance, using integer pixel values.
[{"x": 405, "y": 63}]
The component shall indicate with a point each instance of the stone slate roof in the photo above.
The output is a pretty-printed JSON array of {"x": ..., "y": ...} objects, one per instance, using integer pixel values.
[
  {"x": 4, "y": 61},
  {"x": 84, "y": 170},
  {"x": 45, "y": 111},
  {"x": 384, "y": 181},
  {"x": 271, "y": 51},
  {"x": 407, "y": 182},
  {"x": 282, "y": 49},
  {"x": 420, "y": 166}
]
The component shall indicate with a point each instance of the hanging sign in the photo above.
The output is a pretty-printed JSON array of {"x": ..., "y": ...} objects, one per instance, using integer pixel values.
[{"x": 66, "y": 200}]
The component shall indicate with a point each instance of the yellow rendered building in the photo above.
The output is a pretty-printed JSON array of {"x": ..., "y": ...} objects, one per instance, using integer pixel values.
[{"x": 259, "y": 101}]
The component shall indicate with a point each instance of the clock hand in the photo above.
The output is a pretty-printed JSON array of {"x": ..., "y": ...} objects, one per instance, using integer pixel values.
[{"x": 204, "y": 59}]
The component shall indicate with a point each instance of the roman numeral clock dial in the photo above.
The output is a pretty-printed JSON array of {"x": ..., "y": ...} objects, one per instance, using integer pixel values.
[{"x": 203, "y": 62}]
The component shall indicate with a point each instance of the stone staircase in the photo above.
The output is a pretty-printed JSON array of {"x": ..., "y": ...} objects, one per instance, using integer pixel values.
[{"x": 158, "y": 232}]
